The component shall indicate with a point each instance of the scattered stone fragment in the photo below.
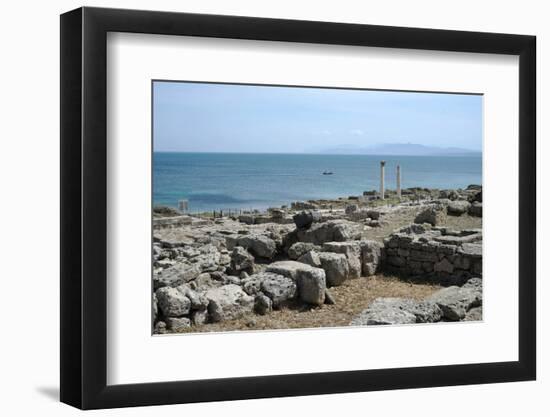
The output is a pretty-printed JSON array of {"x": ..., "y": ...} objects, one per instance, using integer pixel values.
[
  {"x": 304, "y": 219},
  {"x": 300, "y": 248},
  {"x": 198, "y": 300},
  {"x": 176, "y": 275},
  {"x": 278, "y": 287},
  {"x": 311, "y": 285},
  {"x": 352, "y": 250},
  {"x": 336, "y": 267},
  {"x": 259, "y": 245},
  {"x": 331, "y": 231},
  {"x": 241, "y": 260},
  {"x": 155, "y": 307},
  {"x": 172, "y": 303},
  {"x": 458, "y": 207},
  {"x": 456, "y": 301},
  {"x": 262, "y": 304},
  {"x": 370, "y": 317},
  {"x": 399, "y": 311},
  {"x": 160, "y": 327},
  {"x": 329, "y": 298},
  {"x": 476, "y": 209},
  {"x": 434, "y": 215},
  {"x": 474, "y": 314},
  {"x": 311, "y": 258},
  {"x": 228, "y": 302},
  {"x": 199, "y": 317},
  {"x": 177, "y": 324},
  {"x": 371, "y": 256}
]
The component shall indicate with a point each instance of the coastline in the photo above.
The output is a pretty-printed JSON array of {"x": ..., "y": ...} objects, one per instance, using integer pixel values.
[{"x": 258, "y": 181}]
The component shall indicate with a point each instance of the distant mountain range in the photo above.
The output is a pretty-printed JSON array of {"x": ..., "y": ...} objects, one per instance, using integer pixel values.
[{"x": 399, "y": 149}]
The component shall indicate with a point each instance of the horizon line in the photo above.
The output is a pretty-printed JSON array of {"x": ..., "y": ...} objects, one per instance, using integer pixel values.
[{"x": 466, "y": 151}]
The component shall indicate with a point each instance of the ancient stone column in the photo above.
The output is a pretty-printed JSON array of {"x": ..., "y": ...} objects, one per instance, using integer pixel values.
[
  {"x": 382, "y": 164},
  {"x": 398, "y": 182}
]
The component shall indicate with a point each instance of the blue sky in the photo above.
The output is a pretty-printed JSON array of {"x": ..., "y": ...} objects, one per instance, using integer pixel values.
[{"x": 199, "y": 117}]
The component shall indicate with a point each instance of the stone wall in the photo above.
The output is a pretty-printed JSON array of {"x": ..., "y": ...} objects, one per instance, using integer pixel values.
[{"x": 437, "y": 254}]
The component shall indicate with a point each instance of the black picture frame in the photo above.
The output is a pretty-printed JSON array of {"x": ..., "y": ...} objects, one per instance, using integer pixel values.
[{"x": 84, "y": 207}]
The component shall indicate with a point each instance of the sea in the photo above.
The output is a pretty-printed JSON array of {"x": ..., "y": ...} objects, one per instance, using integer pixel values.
[{"x": 229, "y": 181}]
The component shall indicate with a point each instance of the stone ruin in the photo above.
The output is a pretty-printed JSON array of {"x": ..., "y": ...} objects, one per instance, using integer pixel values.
[
  {"x": 436, "y": 254},
  {"x": 217, "y": 270},
  {"x": 227, "y": 275}
]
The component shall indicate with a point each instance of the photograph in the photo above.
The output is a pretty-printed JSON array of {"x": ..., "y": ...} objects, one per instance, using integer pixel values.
[{"x": 288, "y": 207}]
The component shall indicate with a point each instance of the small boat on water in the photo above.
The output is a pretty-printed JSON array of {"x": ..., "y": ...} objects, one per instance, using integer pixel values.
[{"x": 327, "y": 173}]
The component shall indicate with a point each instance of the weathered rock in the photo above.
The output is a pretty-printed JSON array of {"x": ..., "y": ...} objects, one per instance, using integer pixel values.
[
  {"x": 472, "y": 250},
  {"x": 300, "y": 248},
  {"x": 277, "y": 213},
  {"x": 398, "y": 311},
  {"x": 456, "y": 301},
  {"x": 172, "y": 303},
  {"x": 387, "y": 316},
  {"x": 351, "y": 208},
  {"x": 434, "y": 215},
  {"x": 177, "y": 324},
  {"x": 352, "y": 250},
  {"x": 374, "y": 214},
  {"x": 312, "y": 285},
  {"x": 474, "y": 283},
  {"x": 476, "y": 209},
  {"x": 425, "y": 311},
  {"x": 205, "y": 281},
  {"x": 336, "y": 267},
  {"x": 330, "y": 231},
  {"x": 155, "y": 307},
  {"x": 198, "y": 300},
  {"x": 371, "y": 256},
  {"x": 160, "y": 327},
  {"x": 199, "y": 317},
  {"x": 263, "y": 304},
  {"x": 247, "y": 218},
  {"x": 278, "y": 288},
  {"x": 304, "y": 219},
  {"x": 459, "y": 240},
  {"x": 478, "y": 196},
  {"x": 228, "y": 302},
  {"x": 474, "y": 314},
  {"x": 458, "y": 207},
  {"x": 241, "y": 260},
  {"x": 259, "y": 245},
  {"x": 449, "y": 194},
  {"x": 288, "y": 269},
  {"x": 310, "y": 281},
  {"x": 156, "y": 251},
  {"x": 176, "y": 275},
  {"x": 329, "y": 298},
  {"x": 252, "y": 285},
  {"x": 303, "y": 205},
  {"x": 311, "y": 258}
]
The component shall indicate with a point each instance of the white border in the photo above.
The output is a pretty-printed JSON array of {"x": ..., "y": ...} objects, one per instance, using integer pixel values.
[{"x": 134, "y": 356}]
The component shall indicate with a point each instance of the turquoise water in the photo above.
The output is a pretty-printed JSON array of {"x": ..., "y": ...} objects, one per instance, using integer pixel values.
[{"x": 214, "y": 181}]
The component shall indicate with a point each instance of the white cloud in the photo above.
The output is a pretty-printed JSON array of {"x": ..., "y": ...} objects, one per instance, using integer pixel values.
[{"x": 357, "y": 132}]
